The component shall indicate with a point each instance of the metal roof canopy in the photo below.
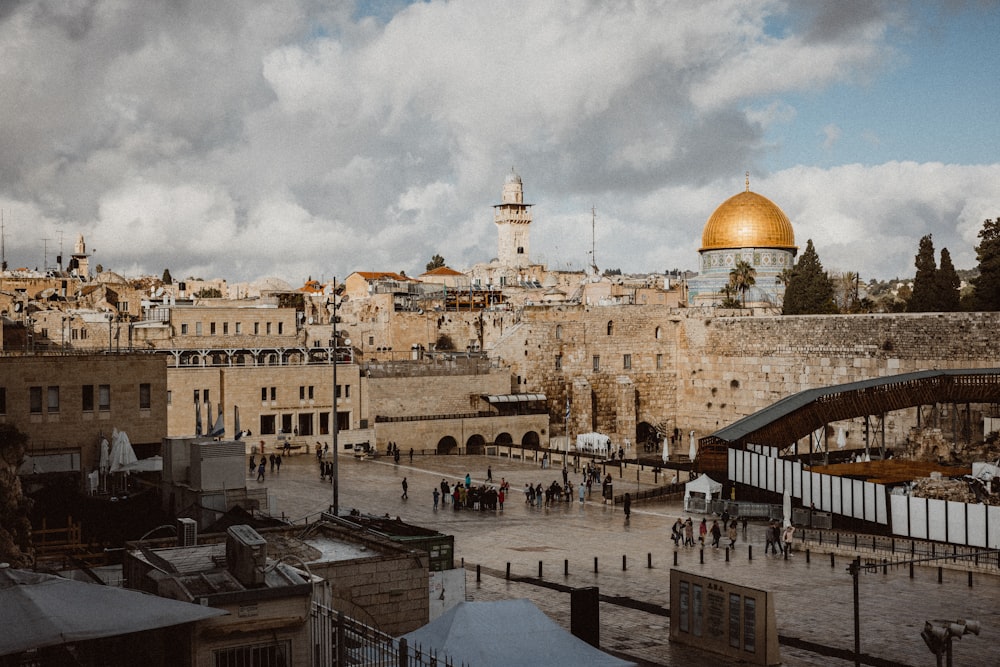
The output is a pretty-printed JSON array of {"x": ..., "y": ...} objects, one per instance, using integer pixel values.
[
  {"x": 514, "y": 398},
  {"x": 798, "y": 415}
]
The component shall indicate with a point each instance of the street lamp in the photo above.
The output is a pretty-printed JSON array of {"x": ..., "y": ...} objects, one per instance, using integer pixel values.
[
  {"x": 336, "y": 447},
  {"x": 938, "y": 636},
  {"x": 109, "y": 317}
]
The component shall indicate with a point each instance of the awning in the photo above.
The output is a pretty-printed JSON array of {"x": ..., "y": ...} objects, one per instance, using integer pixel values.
[{"x": 514, "y": 398}]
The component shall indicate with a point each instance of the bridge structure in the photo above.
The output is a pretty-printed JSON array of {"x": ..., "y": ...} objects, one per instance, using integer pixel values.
[{"x": 806, "y": 414}]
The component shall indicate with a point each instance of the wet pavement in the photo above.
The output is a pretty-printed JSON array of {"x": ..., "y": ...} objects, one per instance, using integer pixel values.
[{"x": 814, "y": 601}]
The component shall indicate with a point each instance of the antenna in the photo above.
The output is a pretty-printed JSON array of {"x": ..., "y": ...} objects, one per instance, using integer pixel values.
[
  {"x": 3, "y": 248},
  {"x": 593, "y": 239},
  {"x": 45, "y": 254}
]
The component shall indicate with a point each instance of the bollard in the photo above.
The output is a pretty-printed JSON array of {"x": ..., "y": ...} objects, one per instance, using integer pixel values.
[
  {"x": 624, "y": 562},
  {"x": 807, "y": 556},
  {"x": 539, "y": 569},
  {"x": 463, "y": 562},
  {"x": 970, "y": 578},
  {"x": 508, "y": 570},
  {"x": 885, "y": 566},
  {"x": 649, "y": 561},
  {"x": 566, "y": 567},
  {"x": 595, "y": 564},
  {"x": 479, "y": 574},
  {"x": 785, "y": 551},
  {"x": 855, "y": 541},
  {"x": 833, "y": 560},
  {"x": 749, "y": 552},
  {"x": 727, "y": 554},
  {"x": 675, "y": 559},
  {"x": 701, "y": 555},
  {"x": 940, "y": 574},
  {"x": 911, "y": 570}
]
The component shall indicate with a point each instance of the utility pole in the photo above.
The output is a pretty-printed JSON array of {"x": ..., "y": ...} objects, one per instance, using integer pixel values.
[{"x": 336, "y": 447}]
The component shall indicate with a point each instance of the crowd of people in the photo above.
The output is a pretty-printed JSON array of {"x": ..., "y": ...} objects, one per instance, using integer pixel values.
[{"x": 481, "y": 497}]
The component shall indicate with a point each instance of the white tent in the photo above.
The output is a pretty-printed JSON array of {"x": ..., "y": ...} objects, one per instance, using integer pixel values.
[
  {"x": 505, "y": 633},
  {"x": 704, "y": 485},
  {"x": 122, "y": 454}
]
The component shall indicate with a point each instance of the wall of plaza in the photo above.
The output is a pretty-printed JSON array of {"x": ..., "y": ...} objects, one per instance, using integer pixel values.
[
  {"x": 436, "y": 395},
  {"x": 695, "y": 370},
  {"x": 427, "y": 435}
]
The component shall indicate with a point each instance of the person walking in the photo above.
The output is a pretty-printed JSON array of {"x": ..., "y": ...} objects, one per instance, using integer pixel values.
[
  {"x": 489, "y": 473},
  {"x": 689, "y": 533},
  {"x": 583, "y": 490},
  {"x": 716, "y": 534},
  {"x": 260, "y": 469},
  {"x": 732, "y": 534},
  {"x": 277, "y": 460},
  {"x": 405, "y": 487},
  {"x": 437, "y": 495},
  {"x": 771, "y": 539},
  {"x": 628, "y": 506},
  {"x": 500, "y": 498},
  {"x": 677, "y": 532},
  {"x": 786, "y": 539},
  {"x": 445, "y": 492},
  {"x": 702, "y": 532},
  {"x": 253, "y": 463}
]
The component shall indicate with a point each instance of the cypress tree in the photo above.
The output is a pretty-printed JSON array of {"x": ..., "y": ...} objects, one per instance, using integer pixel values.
[
  {"x": 986, "y": 286},
  {"x": 924, "y": 298},
  {"x": 948, "y": 284},
  {"x": 809, "y": 290}
]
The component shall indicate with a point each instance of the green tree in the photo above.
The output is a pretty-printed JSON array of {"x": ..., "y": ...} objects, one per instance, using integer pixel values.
[
  {"x": 15, "y": 529},
  {"x": 925, "y": 285},
  {"x": 209, "y": 293},
  {"x": 809, "y": 290},
  {"x": 948, "y": 284},
  {"x": 167, "y": 279},
  {"x": 742, "y": 277},
  {"x": 729, "y": 299},
  {"x": 437, "y": 261},
  {"x": 986, "y": 286}
]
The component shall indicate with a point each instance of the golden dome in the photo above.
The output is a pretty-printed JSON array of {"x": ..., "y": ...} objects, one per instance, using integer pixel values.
[{"x": 748, "y": 220}]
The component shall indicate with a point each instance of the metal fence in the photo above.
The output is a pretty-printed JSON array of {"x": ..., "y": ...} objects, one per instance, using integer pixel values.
[
  {"x": 339, "y": 641},
  {"x": 901, "y": 546}
]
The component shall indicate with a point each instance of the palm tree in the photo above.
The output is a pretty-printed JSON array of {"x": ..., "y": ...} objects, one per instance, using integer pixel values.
[{"x": 742, "y": 277}]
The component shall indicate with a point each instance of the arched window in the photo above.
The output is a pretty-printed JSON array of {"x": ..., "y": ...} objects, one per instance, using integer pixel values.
[
  {"x": 558, "y": 332},
  {"x": 658, "y": 333},
  {"x": 611, "y": 327}
]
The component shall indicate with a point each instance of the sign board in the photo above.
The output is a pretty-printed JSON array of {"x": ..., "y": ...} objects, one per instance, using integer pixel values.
[{"x": 718, "y": 616}]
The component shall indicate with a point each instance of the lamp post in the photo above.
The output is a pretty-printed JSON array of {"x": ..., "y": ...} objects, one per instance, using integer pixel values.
[
  {"x": 109, "y": 317},
  {"x": 336, "y": 447}
]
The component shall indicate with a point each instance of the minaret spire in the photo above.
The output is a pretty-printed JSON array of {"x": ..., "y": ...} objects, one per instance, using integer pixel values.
[{"x": 748, "y": 181}]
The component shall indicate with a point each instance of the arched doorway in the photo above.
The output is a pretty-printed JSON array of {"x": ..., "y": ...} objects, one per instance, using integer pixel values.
[
  {"x": 504, "y": 440},
  {"x": 647, "y": 438},
  {"x": 530, "y": 440},
  {"x": 446, "y": 445},
  {"x": 475, "y": 444}
]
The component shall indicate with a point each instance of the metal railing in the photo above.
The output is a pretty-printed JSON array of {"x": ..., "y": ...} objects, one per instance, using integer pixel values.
[
  {"x": 904, "y": 547},
  {"x": 339, "y": 641}
]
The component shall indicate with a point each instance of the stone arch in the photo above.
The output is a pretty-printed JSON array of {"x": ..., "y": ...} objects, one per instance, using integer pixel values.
[
  {"x": 646, "y": 436},
  {"x": 658, "y": 333},
  {"x": 504, "y": 439},
  {"x": 476, "y": 444},
  {"x": 530, "y": 440},
  {"x": 611, "y": 327},
  {"x": 446, "y": 445}
]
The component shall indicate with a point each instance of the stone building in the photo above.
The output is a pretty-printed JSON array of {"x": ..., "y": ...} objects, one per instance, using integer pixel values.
[{"x": 748, "y": 227}]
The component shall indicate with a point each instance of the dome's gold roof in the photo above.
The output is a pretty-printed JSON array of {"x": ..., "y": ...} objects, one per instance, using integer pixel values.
[{"x": 748, "y": 220}]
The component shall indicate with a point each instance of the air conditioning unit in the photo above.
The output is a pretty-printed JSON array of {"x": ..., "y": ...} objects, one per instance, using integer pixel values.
[
  {"x": 246, "y": 555},
  {"x": 187, "y": 532}
]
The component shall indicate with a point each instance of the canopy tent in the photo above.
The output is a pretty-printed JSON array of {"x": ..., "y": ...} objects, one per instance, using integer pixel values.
[
  {"x": 505, "y": 633},
  {"x": 42, "y": 610},
  {"x": 704, "y": 485},
  {"x": 122, "y": 454}
]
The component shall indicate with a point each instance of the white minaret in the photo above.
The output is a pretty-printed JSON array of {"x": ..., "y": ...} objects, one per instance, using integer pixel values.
[{"x": 513, "y": 219}]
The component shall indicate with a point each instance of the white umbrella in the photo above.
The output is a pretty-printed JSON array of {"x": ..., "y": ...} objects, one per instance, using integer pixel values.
[
  {"x": 105, "y": 455},
  {"x": 666, "y": 449},
  {"x": 841, "y": 438},
  {"x": 693, "y": 450},
  {"x": 122, "y": 454},
  {"x": 787, "y": 507}
]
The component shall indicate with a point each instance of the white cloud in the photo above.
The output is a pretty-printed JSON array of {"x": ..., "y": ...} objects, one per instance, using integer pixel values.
[{"x": 831, "y": 135}]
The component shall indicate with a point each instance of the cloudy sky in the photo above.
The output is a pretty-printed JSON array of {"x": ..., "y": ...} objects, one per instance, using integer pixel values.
[{"x": 316, "y": 138}]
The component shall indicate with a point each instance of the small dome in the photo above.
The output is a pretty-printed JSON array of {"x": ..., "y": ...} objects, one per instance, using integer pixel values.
[
  {"x": 512, "y": 177},
  {"x": 748, "y": 220}
]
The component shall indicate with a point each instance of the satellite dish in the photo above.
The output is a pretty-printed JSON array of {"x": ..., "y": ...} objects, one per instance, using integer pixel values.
[
  {"x": 310, "y": 320},
  {"x": 347, "y": 342}
]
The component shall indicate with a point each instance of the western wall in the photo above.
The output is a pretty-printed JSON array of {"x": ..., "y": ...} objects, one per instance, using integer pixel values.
[{"x": 697, "y": 371}]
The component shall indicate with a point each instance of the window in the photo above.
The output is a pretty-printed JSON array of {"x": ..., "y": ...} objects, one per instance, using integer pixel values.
[
  {"x": 627, "y": 361},
  {"x": 281, "y": 328},
  {"x": 597, "y": 363},
  {"x": 211, "y": 328},
  {"x": 302, "y": 393},
  {"x": 104, "y": 397},
  {"x": 659, "y": 362},
  {"x": 267, "y": 424},
  {"x": 259, "y": 655},
  {"x": 225, "y": 328},
  {"x": 197, "y": 395},
  {"x": 305, "y": 423},
  {"x": 611, "y": 327},
  {"x": 263, "y": 393},
  {"x": 88, "y": 398},
  {"x": 184, "y": 329},
  {"x": 239, "y": 328},
  {"x": 35, "y": 400},
  {"x": 53, "y": 394},
  {"x": 310, "y": 392},
  {"x": 274, "y": 393},
  {"x": 197, "y": 328},
  {"x": 343, "y": 421},
  {"x": 268, "y": 328},
  {"x": 145, "y": 396},
  {"x": 343, "y": 391},
  {"x": 658, "y": 333},
  {"x": 286, "y": 423},
  {"x": 170, "y": 397},
  {"x": 558, "y": 332},
  {"x": 3, "y": 400},
  {"x": 558, "y": 362},
  {"x": 83, "y": 334},
  {"x": 371, "y": 340},
  {"x": 324, "y": 423},
  {"x": 256, "y": 328}
]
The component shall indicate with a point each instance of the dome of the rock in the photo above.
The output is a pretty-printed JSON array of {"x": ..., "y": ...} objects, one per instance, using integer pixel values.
[{"x": 748, "y": 220}]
